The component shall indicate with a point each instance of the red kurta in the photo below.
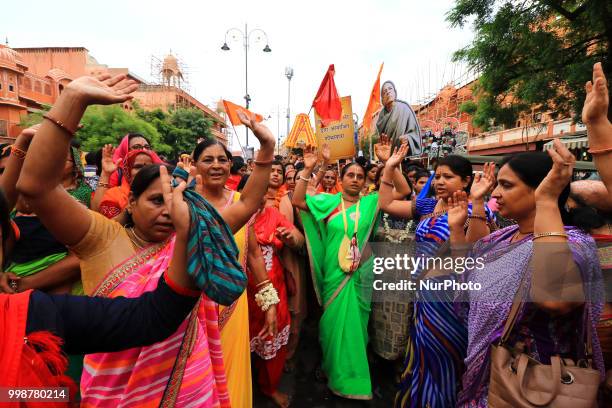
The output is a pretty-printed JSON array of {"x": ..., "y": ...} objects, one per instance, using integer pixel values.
[{"x": 270, "y": 350}]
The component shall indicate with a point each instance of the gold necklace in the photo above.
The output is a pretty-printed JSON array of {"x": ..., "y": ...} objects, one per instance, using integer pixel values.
[{"x": 136, "y": 240}]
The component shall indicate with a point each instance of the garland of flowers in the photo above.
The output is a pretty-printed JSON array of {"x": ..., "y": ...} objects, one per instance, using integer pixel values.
[{"x": 402, "y": 236}]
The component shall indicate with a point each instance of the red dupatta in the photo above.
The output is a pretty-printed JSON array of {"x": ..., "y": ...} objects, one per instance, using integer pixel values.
[{"x": 35, "y": 361}]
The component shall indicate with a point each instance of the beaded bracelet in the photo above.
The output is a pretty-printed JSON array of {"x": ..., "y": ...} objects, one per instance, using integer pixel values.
[
  {"x": 17, "y": 152},
  {"x": 385, "y": 182},
  {"x": 305, "y": 179},
  {"x": 478, "y": 217},
  {"x": 549, "y": 234},
  {"x": 59, "y": 124}
]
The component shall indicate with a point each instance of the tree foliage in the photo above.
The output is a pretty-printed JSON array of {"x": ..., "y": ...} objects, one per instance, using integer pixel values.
[
  {"x": 533, "y": 53},
  {"x": 179, "y": 128},
  {"x": 170, "y": 133}
]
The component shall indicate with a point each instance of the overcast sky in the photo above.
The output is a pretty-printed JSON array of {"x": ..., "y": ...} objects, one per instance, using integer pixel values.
[{"x": 412, "y": 38}]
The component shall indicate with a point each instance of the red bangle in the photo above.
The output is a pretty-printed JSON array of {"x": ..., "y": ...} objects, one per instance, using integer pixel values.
[
  {"x": 599, "y": 151},
  {"x": 179, "y": 289},
  {"x": 263, "y": 162},
  {"x": 17, "y": 152},
  {"x": 60, "y": 124}
]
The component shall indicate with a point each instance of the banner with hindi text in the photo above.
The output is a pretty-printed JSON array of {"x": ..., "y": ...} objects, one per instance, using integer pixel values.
[{"x": 339, "y": 135}]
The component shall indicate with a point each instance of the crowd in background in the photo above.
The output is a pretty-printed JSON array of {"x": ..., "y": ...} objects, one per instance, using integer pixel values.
[{"x": 190, "y": 286}]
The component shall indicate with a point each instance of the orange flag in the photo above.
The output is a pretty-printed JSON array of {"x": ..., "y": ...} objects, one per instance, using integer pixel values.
[
  {"x": 232, "y": 112},
  {"x": 373, "y": 106}
]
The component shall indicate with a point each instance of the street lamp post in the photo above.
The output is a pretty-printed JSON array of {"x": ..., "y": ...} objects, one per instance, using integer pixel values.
[
  {"x": 289, "y": 75},
  {"x": 246, "y": 36}
]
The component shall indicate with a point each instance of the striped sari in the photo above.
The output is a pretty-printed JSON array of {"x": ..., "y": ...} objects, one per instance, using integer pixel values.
[
  {"x": 184, "y": 370},
  {"x": 437, "y": 340}
]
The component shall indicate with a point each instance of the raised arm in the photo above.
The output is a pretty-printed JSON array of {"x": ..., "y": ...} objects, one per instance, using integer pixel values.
[
  {"x": 237, "y": 214},
  {"x": 108, "y": 168},
  {"x": 386, "y": 201},
  {"x": 483, "y": 184},
  {"x": 325, "y": 154},
  {"x": 599, "y": 128},
  {"x": 39, "y": 181},
  {"x": 8, "y": 180},
  {"x": 301, "y": 184},
  {"x": 556, "y": 282}
]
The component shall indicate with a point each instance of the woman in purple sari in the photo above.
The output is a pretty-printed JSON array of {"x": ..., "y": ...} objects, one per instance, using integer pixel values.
[{"x": 531, "y": 189}]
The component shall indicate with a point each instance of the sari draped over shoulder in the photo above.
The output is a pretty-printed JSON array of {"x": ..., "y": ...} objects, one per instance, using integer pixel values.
[
  {"x": 184, "y": 370},
  {"x": 505, "y": 264},
  {"x": 235, "y": 341},
  {"x": 345, "y": 296}
]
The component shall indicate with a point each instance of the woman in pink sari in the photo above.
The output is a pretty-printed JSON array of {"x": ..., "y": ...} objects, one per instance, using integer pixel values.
[{"x": 186, "y": 369}]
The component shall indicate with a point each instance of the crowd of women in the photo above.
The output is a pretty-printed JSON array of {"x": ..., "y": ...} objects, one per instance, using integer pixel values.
[{"x": 188, "y": 287}]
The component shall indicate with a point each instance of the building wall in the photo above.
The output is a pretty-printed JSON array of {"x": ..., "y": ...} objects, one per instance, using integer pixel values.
[{"x": 41, "y": 60}]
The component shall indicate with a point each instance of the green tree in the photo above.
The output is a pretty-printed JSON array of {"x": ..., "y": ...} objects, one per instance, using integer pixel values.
[
  {"x": 109, "y": 124},
  {"x": 535, "y": 52},
  {"x": 179, "y": 128}
]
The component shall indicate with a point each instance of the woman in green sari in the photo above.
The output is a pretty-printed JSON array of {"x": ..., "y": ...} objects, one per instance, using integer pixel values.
[{"x": 337, "y": 228}]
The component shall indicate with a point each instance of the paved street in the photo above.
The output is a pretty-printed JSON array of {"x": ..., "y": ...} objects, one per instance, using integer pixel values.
[{"x": 308, "y": 392}]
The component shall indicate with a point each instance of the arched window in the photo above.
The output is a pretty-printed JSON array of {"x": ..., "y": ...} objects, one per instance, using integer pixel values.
[{"x": 37, "y": 87}]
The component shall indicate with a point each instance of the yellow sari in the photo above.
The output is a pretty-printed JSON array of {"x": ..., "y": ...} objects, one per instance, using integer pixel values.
[{"x": 234, "y": 325}]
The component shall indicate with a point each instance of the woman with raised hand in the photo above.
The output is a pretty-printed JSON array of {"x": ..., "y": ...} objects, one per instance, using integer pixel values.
[
  {"x": 555, "y": 267},
  {"x": 438, "y": 339},
  {"x": 111, "y": 201},
  {"x": 56, "y": 324},
  {"x": 128, "y": 260},
  {"x": 212, "y": 163},
  {"x": 337, "y": 229}
]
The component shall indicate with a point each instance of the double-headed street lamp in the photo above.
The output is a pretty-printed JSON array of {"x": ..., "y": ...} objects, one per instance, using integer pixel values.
[{"x": 246, "y": 37}]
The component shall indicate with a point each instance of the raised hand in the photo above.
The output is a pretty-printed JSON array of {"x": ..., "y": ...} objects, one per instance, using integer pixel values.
[
  {"x": 397, "y": 157},
  {"x": 561, "y": 173},
  {"x": 597, "y": 99},
  {"x": 310, "y": 158},
  {"x": 104, "y": 90},
  {"x": 108, "y": 165},
  {"x": 175, "y": 203},
  {"x": 261, "y": 131},
  {"x": 457, "y": 210},
  {"x": 325, "y": 153},
  {"x": 382, "y": 149},
  {"x": 483, "y": 183}
]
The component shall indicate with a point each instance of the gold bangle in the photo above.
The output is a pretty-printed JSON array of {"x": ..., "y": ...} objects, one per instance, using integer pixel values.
[
  {"x": 600, "y": 151},
  {"x": 262, "y": 283},
  {"x": 305, "y": 179},
  {"x": 20, "y": 154},
  {"x": 59, "y": 124},
  {"x": 549, "y": 234}
]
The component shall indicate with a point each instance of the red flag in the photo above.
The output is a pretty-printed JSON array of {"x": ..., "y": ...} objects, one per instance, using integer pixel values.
[
  {"x": 327, "y": 102},
  {"x": 374, "y": 105},
  {"x": 232, "y": 112}
]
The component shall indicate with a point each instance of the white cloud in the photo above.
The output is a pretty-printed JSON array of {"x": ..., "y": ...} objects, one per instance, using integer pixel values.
[{"x": 412, "y": 38}]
